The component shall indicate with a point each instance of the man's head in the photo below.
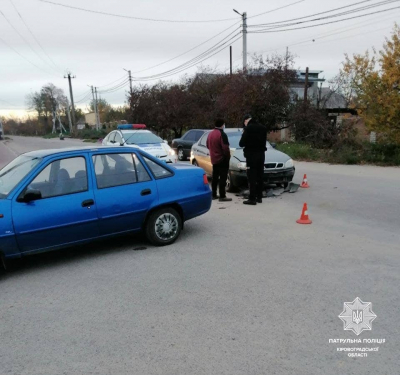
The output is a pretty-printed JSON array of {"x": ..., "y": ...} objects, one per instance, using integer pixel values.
[
  {"x": 246, "y": 119},
  {"x": 219, "y": 123}
]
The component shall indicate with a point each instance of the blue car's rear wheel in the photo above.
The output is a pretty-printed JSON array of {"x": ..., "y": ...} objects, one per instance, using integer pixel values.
[{"x": 163, "y": 226}]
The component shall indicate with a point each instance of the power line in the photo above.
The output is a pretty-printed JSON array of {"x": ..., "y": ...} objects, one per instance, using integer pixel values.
[
  {"x": 313, "y": 38},
  {"x": 184, "y": 53},
  {"x": 322, "y": 24},
  {"x": 21, "y": 36},
  {"x": 5, "y": 101},
  {"x": 281, "y": 24},
  {"x": 115, "y": 88},
  {"x": 133, "y": 17},
  {"x": 108, "y": 84},
  {"x": 318, "y": 14},
  {"x": 25, "y": 58},
  {"x": 33, "y": 35},
  {"x": 274, "y": 10},
  {"x": 193, "y": 60}
]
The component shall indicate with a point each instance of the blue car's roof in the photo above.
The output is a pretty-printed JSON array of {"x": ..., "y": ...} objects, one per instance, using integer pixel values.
[{"x": 43, "y": 153}]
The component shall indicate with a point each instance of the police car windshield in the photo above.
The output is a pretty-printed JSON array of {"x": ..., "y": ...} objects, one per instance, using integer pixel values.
[
  {"x": 14, "y": 172},
  {"x": 139, "y": 137}
]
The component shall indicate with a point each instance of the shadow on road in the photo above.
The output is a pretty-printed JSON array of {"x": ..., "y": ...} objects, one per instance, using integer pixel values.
[{"x": 74, "y": 254}]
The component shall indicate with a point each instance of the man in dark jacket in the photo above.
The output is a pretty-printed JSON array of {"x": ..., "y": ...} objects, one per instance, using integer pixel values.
[
  {"x": 218, "y": 145},
  {"x": 254, "y": 139}
]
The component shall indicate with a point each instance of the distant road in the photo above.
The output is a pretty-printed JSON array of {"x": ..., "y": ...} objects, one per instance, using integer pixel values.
[{"x": 16, "y": 145}]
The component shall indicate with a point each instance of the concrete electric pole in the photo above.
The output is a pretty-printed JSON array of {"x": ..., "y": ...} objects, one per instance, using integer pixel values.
[
  {"x": 71, "y": 97},
  {"x": 130, "y": 81},
  {"x": 244, "y": 31},
  {"x": 94, "y": 105},
  {"x": 97, "y": 111},
  {"x": 306, "y": 87}
]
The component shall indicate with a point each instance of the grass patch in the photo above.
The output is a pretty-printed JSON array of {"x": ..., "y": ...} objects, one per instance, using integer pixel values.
[{"x": 362, "y": 153}]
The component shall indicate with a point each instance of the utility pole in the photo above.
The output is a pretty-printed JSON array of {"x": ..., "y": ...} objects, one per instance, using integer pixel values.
[
  {"x": 97, "y": 111},
  {"x": 230, "y": 58},
  {"x": 69, "y": 116},
  {"x": 94, "y": 104},
  {"x": 244, "y": 41},
  {"x": 306, "y": 87},
  {"x": 130, "y": 81},
  {"x": 71, "y": 97},
  {"x": 244, "y": 31}
]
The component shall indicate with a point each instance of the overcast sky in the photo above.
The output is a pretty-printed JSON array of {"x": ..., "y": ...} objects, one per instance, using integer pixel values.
[{"x": 96, "y": 48}]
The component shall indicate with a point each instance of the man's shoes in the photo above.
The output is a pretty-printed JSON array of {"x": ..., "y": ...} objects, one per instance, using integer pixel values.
[
  {"x": 259, "y": 200},
  {"x": 225, "y": 199},
  {"x": 215, "y": 197},
  {"x": 250, "y": 202}
]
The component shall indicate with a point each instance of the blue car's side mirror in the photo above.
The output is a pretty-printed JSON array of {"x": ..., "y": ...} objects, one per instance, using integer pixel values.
[
  {"x": 273, "y": 145},
  {"x": 30, "y": 195}
]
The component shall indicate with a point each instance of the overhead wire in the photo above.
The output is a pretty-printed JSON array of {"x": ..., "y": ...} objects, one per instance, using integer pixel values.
[
  {"x": 110, "y": 83},
  {"x": 265, "y": 31},
  {"x": 184, "y": 53},
  {"x": 22, "y": 37},
  {"x": 195, "y": 59},
  {"x": 317, "y": 14},
  {"x": 133, "y": 17},
  {"x": 282, "y": 7},
  {"x": 115, "y": 88},
  {"x": 282, "y": 24},
  {"x": 315, "y": 38},
  {"x": 25, "y": 58},
  {"x": 198, "y": 60},
  {"x": 33, "y": 36}
]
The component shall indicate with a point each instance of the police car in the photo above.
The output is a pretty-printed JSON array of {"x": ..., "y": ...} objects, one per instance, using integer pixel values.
[{"x": 136, "y": 135}]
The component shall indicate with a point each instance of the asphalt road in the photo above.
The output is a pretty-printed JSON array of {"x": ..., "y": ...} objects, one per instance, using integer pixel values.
[{"x": 245, "y": 290}]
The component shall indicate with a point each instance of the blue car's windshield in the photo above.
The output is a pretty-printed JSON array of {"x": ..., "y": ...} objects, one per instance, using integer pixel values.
[
  {"x": 139, "y": 137},
  {"x": 14, "y": 172}
]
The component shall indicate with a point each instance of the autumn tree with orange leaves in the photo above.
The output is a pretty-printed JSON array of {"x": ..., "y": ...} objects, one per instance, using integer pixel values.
[{"x": 374, "y": 83}]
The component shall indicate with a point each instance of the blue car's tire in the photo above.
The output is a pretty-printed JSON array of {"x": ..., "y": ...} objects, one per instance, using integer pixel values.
[{"x": 163, "y": 226}]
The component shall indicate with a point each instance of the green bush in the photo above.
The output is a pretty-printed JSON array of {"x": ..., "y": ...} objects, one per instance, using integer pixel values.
[
  {"x": 91, "y": 133},
  {"x": 345, "y": 153},
  {"x": 299, "y": 151}
]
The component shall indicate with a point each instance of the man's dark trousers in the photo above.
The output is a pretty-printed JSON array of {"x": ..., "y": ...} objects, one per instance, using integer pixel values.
[
  {"x": 219, "y": 176},
  {"x": 255, "y": 173}
]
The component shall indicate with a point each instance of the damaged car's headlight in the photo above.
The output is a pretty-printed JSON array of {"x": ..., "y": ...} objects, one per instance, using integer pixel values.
[
  {"x": 242, "y": 166},
  {"x": 289, "y": 164}
]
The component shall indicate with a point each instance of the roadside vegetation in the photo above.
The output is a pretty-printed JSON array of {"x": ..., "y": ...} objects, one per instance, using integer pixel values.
[
  {"x": 369, "y": 83},
  {"x": 362, "y": 153}
]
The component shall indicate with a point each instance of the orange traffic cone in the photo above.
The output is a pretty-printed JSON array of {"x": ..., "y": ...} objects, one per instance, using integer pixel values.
[
  {"x": 304, "y": 184},
  {"x": 304, "y": 219}
]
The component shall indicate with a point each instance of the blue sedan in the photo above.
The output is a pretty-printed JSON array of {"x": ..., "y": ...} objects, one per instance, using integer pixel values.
[{"x": 58, "y": 198}]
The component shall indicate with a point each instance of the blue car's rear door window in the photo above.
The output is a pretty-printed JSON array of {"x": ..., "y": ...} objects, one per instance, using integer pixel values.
[
  {"x": 118, "y": 169},
  {"x": 158, "y": 170}
]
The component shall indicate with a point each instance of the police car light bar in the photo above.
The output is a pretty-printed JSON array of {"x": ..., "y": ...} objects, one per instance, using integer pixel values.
[{"x": 131, "y": 126}]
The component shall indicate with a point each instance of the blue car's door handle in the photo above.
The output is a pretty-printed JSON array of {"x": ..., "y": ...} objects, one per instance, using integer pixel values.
[
  {"x": 88, "y": 202},
  {"x": 145, "y": 192}
]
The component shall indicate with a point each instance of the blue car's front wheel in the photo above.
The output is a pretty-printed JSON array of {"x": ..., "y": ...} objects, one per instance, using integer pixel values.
[{"x": 163, "y": 226}]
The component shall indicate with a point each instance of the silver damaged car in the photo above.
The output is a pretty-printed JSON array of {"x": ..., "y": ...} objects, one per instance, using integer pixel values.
[{"x": 278, "y": 168}]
